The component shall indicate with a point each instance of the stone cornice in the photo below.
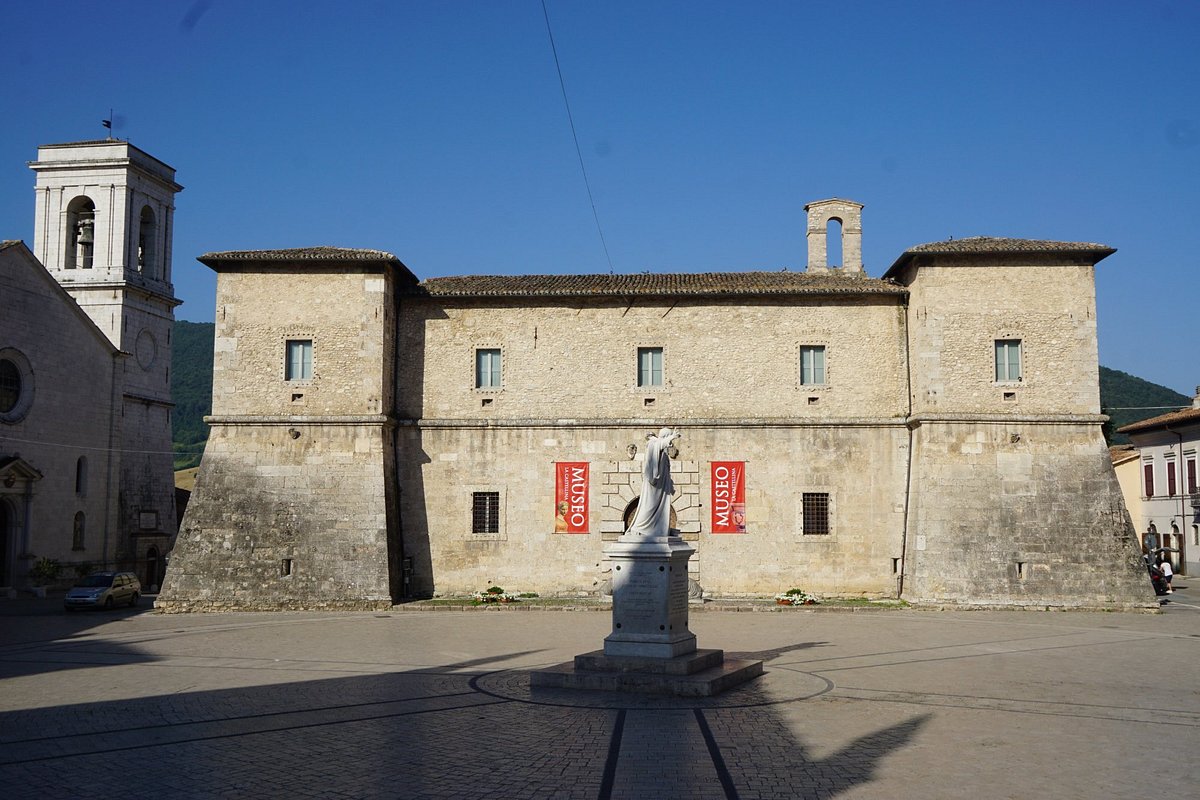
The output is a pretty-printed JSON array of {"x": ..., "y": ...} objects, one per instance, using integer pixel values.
[
  {"x": 1009, "y": 419},
  {"x": 307, "y": 419},
  {"x": 657, "y": 422}
]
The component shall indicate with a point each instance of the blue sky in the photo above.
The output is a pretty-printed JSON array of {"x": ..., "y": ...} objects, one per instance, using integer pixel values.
[{"x": 437, "y": 131}]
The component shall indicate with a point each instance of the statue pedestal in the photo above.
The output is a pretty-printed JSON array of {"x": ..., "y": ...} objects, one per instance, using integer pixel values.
[
  {"x": 650, "y": 648},
  {"x": 650, "y": 599}
]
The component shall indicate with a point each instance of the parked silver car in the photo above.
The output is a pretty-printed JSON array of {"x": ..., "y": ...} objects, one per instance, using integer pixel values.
[{"x": 104, "y": 590}]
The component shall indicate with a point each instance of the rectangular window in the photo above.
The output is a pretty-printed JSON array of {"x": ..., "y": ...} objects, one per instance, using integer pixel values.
[
  {"x": 1190, "y": 466},
  {"x": 487, "y": 368},
  {"x": 650, "y": 366},
  {"x": 1172, "y": 484},
  {"x": 1148, "y": 478},
  {"x": 1008, "y": 360},
  {"x": 816, "y": 513},
  {"x": 299, "y": 360},
  {"x": 812, "y": 365},
  {"x": 485, "y": 512}
]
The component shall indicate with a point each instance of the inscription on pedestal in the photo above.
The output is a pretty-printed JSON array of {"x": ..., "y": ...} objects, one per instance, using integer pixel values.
[
  {"x": 637, "y": 597},
  {"x": 679, "y": 589}
]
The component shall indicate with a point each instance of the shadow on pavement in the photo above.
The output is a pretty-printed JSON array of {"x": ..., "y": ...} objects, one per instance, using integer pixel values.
[
  {"x": 38, "y": 635},
  {"x": 424, "y": 733}
]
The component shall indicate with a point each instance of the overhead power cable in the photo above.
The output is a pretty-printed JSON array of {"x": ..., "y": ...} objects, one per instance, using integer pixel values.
[{"x": 579, "y": 152}]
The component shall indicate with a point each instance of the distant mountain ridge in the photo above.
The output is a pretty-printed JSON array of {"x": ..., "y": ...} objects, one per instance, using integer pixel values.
[
  {"x": 1125, "y": 398},
  {"x": 1128, "y": 399}
]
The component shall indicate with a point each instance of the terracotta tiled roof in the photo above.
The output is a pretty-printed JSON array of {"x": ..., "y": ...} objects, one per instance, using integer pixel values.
[
  {"x": 1184, "y": 416},
  {"x": 86, "y": 141},
  {"x": 1119, "y": 453},
  {"x": 701, "y": 284},
  {"x": 321, "y": 254},
  {"x": 995, "y": 245}
]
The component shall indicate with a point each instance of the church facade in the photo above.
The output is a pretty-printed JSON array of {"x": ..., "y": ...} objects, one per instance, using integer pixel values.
[
  {"x": 85, "y": 360},
  {"x": 932, "y": 435}
]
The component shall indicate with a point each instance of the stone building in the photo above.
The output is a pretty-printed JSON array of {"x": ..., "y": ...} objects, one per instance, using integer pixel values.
[
  {"x": 85, "y": 359},
  {"x": 933, "y": 434}
]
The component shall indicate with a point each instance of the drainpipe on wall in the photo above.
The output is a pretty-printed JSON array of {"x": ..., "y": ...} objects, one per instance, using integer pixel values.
[
  {"x": 108, "y": 473},
  {"x": 1181, "y": 485},
  {"x": 908, "y": 467}
]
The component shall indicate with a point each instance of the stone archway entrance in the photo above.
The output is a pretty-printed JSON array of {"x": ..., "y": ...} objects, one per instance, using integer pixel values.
[{"x": 631, "y": 512}]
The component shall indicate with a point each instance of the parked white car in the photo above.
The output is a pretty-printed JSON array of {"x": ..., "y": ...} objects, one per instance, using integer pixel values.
[{"x": 104, "y": 590}]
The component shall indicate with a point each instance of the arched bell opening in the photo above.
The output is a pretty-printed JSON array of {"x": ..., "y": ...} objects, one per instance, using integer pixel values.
[{"x": 81, "y": 234}]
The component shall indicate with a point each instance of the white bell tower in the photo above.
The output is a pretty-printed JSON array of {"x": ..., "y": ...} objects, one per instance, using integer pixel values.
[
  {"x": 105, "y": 212},
  {"x": 104, "y": 224}
]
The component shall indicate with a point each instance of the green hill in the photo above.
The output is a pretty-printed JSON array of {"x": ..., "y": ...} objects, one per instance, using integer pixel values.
[
  {"x": 1128, "y": 399},
  {"x": 191, "y": 389},
  {"x": 1125, "y": 398}
]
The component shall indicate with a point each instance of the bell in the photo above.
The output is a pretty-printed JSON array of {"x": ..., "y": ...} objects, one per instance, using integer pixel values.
[{"x": 86, "y": 235}]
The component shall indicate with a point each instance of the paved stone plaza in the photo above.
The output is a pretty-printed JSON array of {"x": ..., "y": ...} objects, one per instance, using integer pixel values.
[{"x": 406, "y": 704}]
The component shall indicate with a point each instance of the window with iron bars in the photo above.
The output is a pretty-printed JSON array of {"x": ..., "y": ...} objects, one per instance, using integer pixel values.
[
  {"x": 485, "y": 512},
  {"x": 816, "y": 513}
]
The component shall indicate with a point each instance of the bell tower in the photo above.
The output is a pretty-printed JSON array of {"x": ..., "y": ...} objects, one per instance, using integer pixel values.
[{"x": 103, "y": 229}]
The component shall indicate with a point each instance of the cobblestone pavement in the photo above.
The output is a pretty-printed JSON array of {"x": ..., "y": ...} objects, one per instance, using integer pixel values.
[{"x": 888, "y": 704}]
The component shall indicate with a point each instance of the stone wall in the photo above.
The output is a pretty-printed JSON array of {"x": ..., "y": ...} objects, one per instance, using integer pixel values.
[
  {"x": 1020, "y": 513},
  {"x": 295, "y": 503},
  {"x": 289, "y": 516},
  {"x": 959, "y": 309},
  {"x": 70, "y": 416},
  {"x": 577, "y": 359},
  {"x": 942, "y": 484},
  {"x": 858, "y": 558},
  {"x": 345, "y": 312}
]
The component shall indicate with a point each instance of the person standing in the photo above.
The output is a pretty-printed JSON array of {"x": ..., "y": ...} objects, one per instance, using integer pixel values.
[{"x": 1164, "y": 567}]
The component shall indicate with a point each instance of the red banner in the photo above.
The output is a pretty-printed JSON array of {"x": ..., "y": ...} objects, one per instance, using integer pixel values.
[
  {"x": 571, "y": 497},
  {"x": 729, "y": 497}
]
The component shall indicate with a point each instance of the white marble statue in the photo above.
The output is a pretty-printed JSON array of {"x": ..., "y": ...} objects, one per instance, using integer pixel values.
[{"x": 653, "y": 517}]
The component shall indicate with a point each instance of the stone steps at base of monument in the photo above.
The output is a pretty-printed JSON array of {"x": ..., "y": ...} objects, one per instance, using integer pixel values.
[
  {"x": 686, "y": 664},
  {"x": 706, "y": 682}
]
